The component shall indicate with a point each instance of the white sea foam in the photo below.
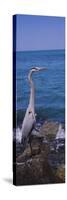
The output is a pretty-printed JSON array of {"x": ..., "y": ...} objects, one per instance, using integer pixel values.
[
  {"x": 18, "y": 135},
  {"x": 60, "y": 134}
]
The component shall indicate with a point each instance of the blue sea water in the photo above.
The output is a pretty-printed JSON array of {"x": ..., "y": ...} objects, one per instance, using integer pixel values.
[{"x": 50, "y": 84}]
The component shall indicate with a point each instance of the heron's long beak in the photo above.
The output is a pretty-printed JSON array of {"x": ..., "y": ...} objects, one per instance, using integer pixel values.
[{"x": 43, "y": 68}]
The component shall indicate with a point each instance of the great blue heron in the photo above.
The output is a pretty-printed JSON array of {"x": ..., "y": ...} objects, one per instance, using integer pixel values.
[{"x": 30, "y": 115}]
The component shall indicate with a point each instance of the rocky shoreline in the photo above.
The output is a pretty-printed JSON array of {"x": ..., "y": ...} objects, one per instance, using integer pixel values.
[{"x": 46, "y": 164}]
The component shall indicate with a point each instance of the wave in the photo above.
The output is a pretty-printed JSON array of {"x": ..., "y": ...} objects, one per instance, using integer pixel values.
[{"x": 55, "y": 114}]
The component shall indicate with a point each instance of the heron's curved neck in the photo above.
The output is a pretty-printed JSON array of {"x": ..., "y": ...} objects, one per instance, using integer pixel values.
[{"x": 32, "y": 96}]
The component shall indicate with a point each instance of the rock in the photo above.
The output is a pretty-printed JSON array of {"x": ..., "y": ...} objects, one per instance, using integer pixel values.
[
  {"x": 34, "y": 171},
  {"x": 49, "y": 130},
  {"x": 60, "y": 174},
  {"x": 34, "y": 167},
  {"x": 25, "y": 155},
  {"x": 36, "y": 145},
  {"x": 36, "y": 148}
]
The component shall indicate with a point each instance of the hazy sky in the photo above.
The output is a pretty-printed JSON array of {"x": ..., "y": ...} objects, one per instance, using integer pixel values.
[{"x": 40, "y": 32}]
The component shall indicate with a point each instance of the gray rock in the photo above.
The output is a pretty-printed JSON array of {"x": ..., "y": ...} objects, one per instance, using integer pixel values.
[{"x": 34, "y": 167}]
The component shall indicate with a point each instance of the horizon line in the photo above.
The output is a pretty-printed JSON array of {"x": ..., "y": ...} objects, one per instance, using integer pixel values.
[{"x": 38, "y": 50}]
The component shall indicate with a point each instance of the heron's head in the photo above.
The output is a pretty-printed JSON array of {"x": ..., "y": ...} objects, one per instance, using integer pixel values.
[{"x": 36, "y": 69}]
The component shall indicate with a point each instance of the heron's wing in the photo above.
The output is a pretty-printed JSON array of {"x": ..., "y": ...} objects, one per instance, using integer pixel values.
[{"x": 28, "y": 123}]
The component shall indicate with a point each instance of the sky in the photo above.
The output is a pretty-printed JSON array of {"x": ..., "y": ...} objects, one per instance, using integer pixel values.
[{"x": 39, "y": 32}]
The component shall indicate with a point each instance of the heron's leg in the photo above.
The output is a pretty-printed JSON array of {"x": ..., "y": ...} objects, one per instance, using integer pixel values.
[{"x": 30, "y": 144}]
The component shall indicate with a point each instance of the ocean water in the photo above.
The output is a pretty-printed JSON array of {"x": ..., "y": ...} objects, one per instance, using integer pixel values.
[{"x": 50, "y": 84}]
